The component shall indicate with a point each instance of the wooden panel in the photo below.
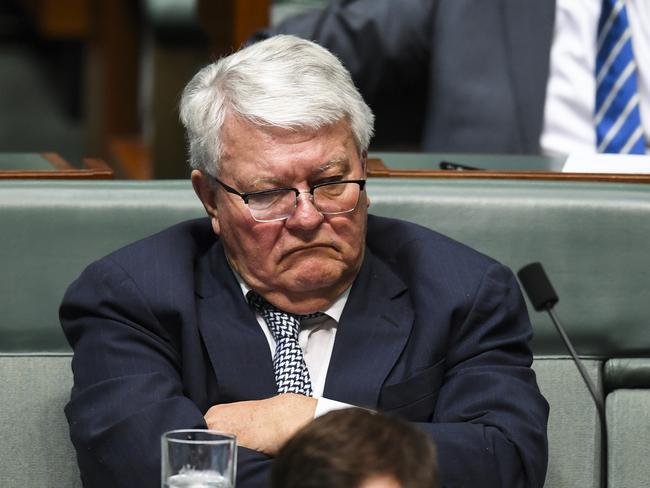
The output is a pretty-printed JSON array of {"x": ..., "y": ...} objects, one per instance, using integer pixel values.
[
  {"x": 56, "y": 160},
  {"x": 113, "y": 72},
  {"x": 250, "y": 15},
  {"x": 60, "y": 19},
  {"x": 377, "y": 168},
  {"x": 229, "y": 23},
  {"x": 60, "y": 169},
  {"x": 132, "y": 158}
]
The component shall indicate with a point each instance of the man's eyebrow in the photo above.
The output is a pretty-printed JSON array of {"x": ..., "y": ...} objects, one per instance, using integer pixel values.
[
  {"x": 263, "y": 180},
  {"x": 342, "y": 163}
]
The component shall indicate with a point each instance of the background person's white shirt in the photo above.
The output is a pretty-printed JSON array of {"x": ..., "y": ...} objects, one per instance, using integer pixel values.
[{"x": 571, "y": 89}]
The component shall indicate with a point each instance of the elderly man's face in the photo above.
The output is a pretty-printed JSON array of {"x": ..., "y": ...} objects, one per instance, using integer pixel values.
[{"x": 304, "y": 262}]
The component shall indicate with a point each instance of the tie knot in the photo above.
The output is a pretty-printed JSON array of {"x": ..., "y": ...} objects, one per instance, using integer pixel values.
[{"x": 281, "y": 324}]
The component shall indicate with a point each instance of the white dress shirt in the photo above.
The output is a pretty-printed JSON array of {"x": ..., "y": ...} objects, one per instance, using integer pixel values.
[
  {"x": 571, "y": 90},
  {"x": 316, "y": 339}
]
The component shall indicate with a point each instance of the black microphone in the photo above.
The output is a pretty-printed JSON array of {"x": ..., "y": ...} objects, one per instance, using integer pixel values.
[{"x": 543, "y": 297}]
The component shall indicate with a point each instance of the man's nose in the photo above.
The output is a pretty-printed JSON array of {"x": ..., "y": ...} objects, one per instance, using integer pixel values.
[{"x": 306, "y": 215}]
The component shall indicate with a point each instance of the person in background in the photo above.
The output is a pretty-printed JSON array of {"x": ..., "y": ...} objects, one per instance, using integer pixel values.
[
  {"x": 356, "y": 448},
  {"x": 550, "y": 77},
  {"x": 289, "y": 300}
]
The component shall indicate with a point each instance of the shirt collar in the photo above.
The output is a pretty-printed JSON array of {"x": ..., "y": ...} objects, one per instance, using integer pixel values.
[{"x": 334, "y": 311}]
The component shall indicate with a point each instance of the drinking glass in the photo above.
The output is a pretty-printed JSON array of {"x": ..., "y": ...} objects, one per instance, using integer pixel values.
[{"x": 198, "y": 459}]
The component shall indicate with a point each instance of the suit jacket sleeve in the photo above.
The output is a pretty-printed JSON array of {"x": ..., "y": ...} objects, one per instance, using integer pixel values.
[
  {"x": 489, "y": 422},
  {"x": 128, "y": 385},
  {"x": 384, "y": 44}
]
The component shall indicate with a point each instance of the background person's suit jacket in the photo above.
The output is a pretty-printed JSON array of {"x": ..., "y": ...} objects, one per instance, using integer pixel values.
[
  {"x": 442, "y": 75},
  {"x": 432, "y": 331}
]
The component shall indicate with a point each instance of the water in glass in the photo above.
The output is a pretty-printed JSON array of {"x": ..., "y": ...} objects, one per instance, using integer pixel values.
[{"x": 197, "y": 479}]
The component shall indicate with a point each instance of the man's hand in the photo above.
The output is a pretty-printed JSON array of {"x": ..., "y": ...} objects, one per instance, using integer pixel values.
[{"x": 263, "y": 425}]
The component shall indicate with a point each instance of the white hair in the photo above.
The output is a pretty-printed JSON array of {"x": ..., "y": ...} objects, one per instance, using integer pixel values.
[{"x": 284, "y": 82}]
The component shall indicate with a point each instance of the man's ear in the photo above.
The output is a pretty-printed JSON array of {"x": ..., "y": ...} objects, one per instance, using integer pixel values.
[
  {"x": 206, "y": 191},
  {"x": 364, "y": 163},
  {"x": 364, "y": 168}
]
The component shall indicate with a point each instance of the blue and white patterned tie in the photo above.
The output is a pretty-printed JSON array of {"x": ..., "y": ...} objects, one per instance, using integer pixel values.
[
  {"x": 617, "y": 115},
  {"x": 291, "y": 373}
]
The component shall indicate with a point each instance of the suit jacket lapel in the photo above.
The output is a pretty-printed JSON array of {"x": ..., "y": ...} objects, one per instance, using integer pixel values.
[
  {"x": 371, "y": 334},
  {"x": 528, "y": 30},
  {"x": 236, "y": 345}
]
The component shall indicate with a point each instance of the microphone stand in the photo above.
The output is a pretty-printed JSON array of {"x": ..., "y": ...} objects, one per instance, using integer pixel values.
[
  {"x": 543, "y": 297},
  {"x": 600, "y": 405}
]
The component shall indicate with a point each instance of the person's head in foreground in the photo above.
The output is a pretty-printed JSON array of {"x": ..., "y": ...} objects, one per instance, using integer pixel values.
[
  {"x": 356, "y": 448},
  {"x": 281, "y": 126}
]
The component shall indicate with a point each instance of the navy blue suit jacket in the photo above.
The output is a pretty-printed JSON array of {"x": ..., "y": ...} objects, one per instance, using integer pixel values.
[{"x": 432, "y": 331}]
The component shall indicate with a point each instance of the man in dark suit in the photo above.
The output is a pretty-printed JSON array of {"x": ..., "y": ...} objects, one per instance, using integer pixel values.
[
  {"x": 442, "y": 75},
  {"x": 494, "y": 76},
  {"x": 289, "y": 300}
]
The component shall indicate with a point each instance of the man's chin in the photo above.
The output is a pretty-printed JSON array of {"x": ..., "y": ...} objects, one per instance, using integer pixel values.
[
  {"x": 315, "y": 275},
  {"x": 314, "y": 280}
]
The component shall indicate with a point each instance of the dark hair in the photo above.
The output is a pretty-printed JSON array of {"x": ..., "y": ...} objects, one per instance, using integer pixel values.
[{"x": 344, "y": 448}]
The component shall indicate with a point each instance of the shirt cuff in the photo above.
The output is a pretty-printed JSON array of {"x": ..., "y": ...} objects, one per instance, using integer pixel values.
[{"x": 324, "y": 405}]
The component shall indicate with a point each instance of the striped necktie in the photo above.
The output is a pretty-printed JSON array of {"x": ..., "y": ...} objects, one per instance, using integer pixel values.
[
  {"x": 291, "y": 373},
  {"x": 617, "y": 115}
]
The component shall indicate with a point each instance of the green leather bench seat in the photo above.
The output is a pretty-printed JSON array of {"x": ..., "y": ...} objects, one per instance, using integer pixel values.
[
  {"x": 573, "y": 425},
  {"x": 628, "y": 432},
  {"x": 628, "y": 421},
  {"x": 591, "y": 238},
  {"x": 35, "y": 450}
]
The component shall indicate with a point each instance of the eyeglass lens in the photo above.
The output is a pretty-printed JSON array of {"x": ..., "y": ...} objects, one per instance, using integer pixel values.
[{"x": 334, "y": 198}]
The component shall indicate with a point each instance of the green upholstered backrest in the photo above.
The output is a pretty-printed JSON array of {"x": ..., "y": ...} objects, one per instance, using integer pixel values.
[
  {"x": 592, "y": 239},
  {"x": 51, "y": 230}
]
